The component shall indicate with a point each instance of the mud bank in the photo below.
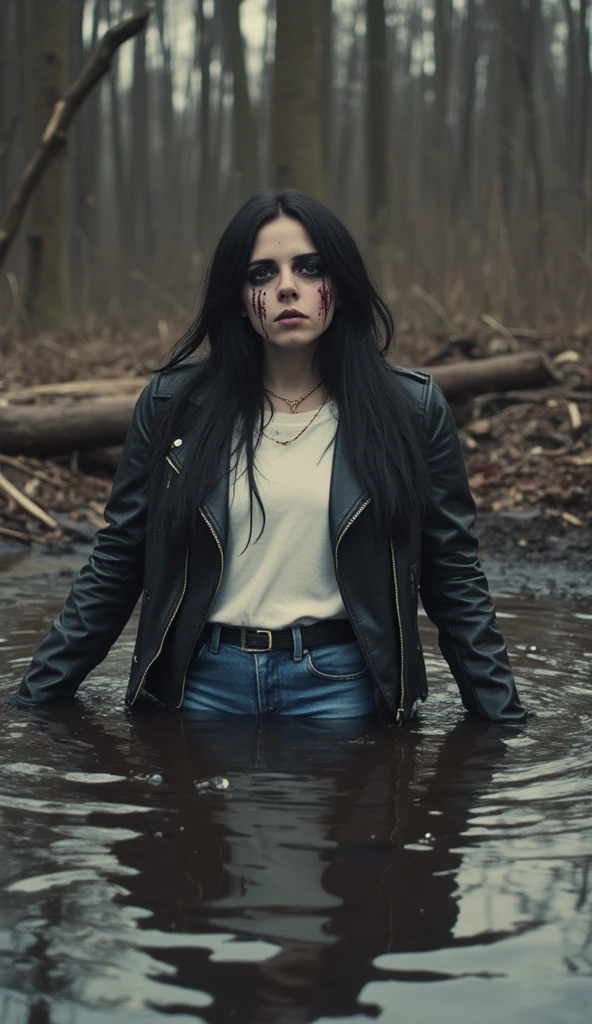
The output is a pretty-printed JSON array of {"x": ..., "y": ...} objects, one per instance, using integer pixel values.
[{"x": 535, "y": 554}]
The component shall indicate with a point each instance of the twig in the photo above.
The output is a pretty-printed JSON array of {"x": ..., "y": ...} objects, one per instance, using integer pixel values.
[
  {"x": 529, "y": 332},
  {"x": 137, "y": 275},
  {"x": 16, "y": 297},
  {"x": 433, "y": 303},
  {"x": 18, "y": 535},
  {"x": 29, "y": 506},
  {"x": 9, "y": 460},
  {"x": 492, "y": 322},
  {"x": 54, "y": 136},
  {"x": 575, "y": 417}
]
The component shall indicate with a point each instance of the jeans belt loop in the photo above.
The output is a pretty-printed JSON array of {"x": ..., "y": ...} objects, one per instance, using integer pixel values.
[
  {"x": 297, "y": 641},
  {"x": 215, "y": 638}
]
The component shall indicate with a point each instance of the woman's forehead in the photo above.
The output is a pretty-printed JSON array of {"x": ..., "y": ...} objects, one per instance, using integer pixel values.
[{"x": 283, "y": 238}]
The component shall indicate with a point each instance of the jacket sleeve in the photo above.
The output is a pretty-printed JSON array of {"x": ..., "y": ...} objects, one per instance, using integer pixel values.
[
  {"x": 107, "y": 588},
  {"x": 454, "y": 589}
]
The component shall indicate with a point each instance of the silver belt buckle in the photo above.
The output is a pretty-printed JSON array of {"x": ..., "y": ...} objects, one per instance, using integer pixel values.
[{"x": 256, "y": 650}]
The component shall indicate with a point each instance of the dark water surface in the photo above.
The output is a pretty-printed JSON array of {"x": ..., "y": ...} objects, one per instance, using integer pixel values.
[{"x": 440, "y": 872}]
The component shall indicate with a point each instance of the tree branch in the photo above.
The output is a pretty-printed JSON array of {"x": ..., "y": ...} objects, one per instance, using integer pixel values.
[{"x": 54, "y": 136}]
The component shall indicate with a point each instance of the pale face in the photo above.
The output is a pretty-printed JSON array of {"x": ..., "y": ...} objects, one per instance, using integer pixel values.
[{"x": 287, "y": 296}]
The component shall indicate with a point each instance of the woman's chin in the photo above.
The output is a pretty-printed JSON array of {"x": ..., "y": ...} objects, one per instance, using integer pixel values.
[{"x": 293, "y": 340}]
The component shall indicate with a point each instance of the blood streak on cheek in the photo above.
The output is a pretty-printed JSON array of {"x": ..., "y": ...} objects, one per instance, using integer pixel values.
[
  {"x": 325, "y": 300},
  {"x": 259, "y": 308}
]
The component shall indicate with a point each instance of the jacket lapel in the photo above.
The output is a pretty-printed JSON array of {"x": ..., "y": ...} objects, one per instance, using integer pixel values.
[
  {"x": 215, "y": 505},
  {"x": 346, "y": 494}
]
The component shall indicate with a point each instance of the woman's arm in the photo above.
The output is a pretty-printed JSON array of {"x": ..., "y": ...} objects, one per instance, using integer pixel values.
[
  {"x": 454, "y": 589},
  {"x": 106, "y": 590}
]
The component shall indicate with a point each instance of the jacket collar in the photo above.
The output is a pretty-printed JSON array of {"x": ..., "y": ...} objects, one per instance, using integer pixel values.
[{"x": 346, "y": 493}]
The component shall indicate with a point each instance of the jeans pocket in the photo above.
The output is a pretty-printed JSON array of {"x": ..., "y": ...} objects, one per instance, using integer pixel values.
[{"x": 336, "y": 662}]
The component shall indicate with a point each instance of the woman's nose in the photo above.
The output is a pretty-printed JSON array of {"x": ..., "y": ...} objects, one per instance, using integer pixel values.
[{"x": 287, "y": 287}]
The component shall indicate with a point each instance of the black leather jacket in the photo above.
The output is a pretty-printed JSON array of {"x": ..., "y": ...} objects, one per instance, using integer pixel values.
[{"x": 380, "y": 588}]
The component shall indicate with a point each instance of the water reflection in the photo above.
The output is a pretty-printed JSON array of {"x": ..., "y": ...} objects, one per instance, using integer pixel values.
[
  {"x": 334, "y": 844},
  {"x": 344, "y": 868}
]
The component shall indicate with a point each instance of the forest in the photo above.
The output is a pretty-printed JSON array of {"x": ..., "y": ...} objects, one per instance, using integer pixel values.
[{"x": 454, "y": 137}]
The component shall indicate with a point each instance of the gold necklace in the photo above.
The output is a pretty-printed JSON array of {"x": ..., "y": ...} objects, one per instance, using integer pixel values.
[
  {"x": 292, "y": 402},
  {"x": 309, "y": 424}
]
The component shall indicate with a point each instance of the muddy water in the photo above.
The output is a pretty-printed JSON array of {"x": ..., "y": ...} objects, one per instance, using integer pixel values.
[{"x": 346, "y": 873}]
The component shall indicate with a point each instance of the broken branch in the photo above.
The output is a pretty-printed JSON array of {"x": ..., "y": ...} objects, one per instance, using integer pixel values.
[{"x": 54, "y": 136}]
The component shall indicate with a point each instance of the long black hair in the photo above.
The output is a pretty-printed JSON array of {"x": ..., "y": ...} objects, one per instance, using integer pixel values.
[{"x": 381, "y": 431}]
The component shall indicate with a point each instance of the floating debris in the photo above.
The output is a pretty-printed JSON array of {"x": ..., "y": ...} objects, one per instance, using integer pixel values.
[
  {"x": 216, "y": 783},
  {"x": 153, "y": 779}
]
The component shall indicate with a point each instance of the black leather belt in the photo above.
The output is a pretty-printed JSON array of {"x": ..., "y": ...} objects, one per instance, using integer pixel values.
[{"x": 257, "y": 641}]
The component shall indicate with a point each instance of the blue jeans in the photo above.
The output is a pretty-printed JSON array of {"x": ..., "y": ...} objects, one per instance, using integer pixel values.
[{"x": 323, "y": 682}]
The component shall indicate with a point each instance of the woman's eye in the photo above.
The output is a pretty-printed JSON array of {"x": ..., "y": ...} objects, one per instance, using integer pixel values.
[
  {"x": 258, "y": 275},
  {"x": 312, "y": 269}
]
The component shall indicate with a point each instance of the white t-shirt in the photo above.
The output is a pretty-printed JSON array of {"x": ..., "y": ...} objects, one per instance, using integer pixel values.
[{"x": 287, "y": 576}]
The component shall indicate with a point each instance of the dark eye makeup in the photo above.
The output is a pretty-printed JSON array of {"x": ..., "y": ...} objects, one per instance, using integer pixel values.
[{"x": 261, "y": 271}]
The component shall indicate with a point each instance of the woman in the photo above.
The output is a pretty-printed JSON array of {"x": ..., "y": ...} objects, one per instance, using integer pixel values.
[{"x": 281, "y": 501}]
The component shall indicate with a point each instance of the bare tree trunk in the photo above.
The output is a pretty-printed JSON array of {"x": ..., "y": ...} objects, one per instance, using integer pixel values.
[
  {"x": 168, "y": 186},
  {"x": 218, "y": 119},
  {"x": 245, "y": 137},
  {"x": 48, "y": 262},
  {"x": 297, "y": 115},
  {"x": 327, "y": 96},
  {"x": 346, "y": 128},
  {"x": 119, "y": 174},
  {"x": 529, "y": 32},
  {"x": 509, "y": 45},
  {"x": 266, "y": 102},
  {"x": 442, "y": 31},
  {"x": 204, "y": 204},
  {"x": 571, "y": 71},
  {"x": 584, "y": 133},
  {"x": 4, "y": 110},
  {"x": 90, "y": 151},
  {"x": 470, "y": 55},
  {"x": 584, "y": 104},
  {"x": 377, "y": 121},
  {"x": 139, "y": 184}
]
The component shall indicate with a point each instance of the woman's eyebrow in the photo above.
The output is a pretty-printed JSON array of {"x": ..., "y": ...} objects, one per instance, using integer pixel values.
[
  {"x": 305, "y": 257},
  {"x": 302, "y": 258},
  {"x": 262, "y": 263}
]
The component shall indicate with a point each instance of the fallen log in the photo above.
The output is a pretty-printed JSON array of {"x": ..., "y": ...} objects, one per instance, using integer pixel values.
[
  {"x": 498, "y": 373},
  {"x": 57, "y": 428},
  {"x": 96, "y": 388}
]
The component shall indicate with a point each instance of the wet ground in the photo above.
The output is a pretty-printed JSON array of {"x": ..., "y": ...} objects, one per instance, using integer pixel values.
[{"x": 442, "y": 872}]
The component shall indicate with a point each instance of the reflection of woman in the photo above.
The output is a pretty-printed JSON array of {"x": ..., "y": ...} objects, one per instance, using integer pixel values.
[
  {"x": 329, "y": 868},
  {"x": 281, "y": 501}
]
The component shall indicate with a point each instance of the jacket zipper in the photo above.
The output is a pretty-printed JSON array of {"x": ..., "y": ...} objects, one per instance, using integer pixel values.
[
  {"x": 401, "y": 708},
  {"x": 346, "y": 528},
  {"x": 219, "y": 546},
  {"x": 169, "y": 472}
]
